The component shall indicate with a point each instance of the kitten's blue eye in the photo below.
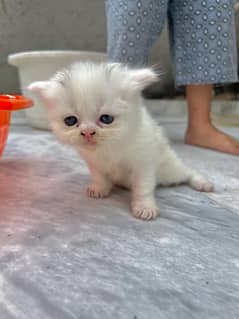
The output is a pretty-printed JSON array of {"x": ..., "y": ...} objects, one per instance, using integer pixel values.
[
  {"x": 106, "y": 119},
  {"x": 70, "y": 120}
]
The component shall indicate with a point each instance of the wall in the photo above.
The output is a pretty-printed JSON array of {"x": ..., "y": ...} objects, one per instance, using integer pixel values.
[{"x": 47, "y": 24}]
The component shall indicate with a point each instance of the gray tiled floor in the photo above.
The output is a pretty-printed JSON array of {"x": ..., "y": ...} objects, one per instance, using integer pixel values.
[{"x": 66, "y": 256}]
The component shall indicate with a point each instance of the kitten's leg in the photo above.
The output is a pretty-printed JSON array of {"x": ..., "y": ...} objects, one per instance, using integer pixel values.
[
  {"x": 144, "y": 205},
  {"x": 100, "y": 186},
  {"x": 173, "y": 171},
  {"x": 199, "y": 182}
]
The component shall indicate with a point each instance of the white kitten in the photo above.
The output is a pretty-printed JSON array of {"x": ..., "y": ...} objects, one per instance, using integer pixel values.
[{"x": 98, "y": 109}]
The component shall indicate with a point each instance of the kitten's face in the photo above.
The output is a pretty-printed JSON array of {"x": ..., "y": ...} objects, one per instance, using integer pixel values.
[{"x": 92, "y": 105}]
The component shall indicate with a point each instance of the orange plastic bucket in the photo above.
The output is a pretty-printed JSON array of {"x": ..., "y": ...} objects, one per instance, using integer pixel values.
[{"x": 9, "y": 103}]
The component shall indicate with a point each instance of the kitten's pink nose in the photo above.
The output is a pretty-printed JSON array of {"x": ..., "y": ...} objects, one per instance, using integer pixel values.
[{"x": 88, "y": 133}]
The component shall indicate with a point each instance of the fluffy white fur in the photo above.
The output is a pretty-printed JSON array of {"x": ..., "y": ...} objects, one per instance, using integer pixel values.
[{"x": 132, "y": 151}]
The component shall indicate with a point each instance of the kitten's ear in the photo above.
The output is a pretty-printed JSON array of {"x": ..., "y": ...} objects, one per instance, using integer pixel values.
[
  {"x": 41, "y": 88},
  {"x": 47, "y": 91},
  {"x": 141, "y": 78}
]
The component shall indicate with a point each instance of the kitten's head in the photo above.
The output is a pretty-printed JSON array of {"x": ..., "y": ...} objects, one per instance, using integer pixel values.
[{"x": 90, "y": 105}]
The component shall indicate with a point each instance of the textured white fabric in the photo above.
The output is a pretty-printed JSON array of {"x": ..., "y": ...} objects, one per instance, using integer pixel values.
[{"x": 66, "y": 256}]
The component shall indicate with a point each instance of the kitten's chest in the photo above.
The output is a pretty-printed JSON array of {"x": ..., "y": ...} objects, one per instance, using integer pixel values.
[{"x": 112, "y": 165}]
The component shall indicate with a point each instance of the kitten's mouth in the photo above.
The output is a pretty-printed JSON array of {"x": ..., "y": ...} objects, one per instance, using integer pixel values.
[{"x": 89, "y": 143}]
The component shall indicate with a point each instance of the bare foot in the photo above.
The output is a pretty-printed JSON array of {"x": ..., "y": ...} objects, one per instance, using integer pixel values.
[{"x": 210, "y": 137}]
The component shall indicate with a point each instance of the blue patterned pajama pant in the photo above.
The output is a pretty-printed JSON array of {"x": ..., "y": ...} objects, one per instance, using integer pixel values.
[{"x": 202, "y": 36}]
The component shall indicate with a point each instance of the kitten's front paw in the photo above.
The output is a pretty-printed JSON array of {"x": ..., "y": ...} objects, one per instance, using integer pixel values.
[
  {"x": 98, "y": 192},
  {"x": 201, "y": 184},
  {"x": 145, "y": 212}
]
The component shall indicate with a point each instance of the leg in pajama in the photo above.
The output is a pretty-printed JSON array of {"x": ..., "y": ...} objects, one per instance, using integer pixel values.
[{"x": 202, "y": 36}]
